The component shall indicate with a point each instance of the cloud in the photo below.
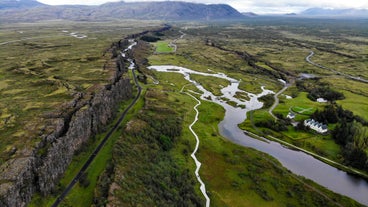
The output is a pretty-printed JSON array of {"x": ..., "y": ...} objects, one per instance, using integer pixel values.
[
  {"x": 287, "y": 6},
  {"x": 313, "y": 3},
  {"x": 257, "y": 6}
]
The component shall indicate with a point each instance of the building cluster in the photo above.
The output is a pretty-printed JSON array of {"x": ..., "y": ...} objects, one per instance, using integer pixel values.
[{"x": 315, "y": 125}]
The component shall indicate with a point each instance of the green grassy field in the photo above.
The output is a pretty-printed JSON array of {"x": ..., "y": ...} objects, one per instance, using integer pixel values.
[
  {"x": 358, "y": 104},
  {"x": 163, "y": 47},
  {"x": 300, "y": 104}
]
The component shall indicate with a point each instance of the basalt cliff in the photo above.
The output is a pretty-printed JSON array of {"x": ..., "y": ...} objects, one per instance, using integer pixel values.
[{"x": 41, "y": 168}]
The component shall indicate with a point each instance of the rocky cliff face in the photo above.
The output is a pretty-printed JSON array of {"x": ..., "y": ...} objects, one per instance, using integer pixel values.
[{"x": 76, "y": 122}]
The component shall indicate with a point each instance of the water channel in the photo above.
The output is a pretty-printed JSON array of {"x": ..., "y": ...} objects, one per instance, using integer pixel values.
[{"x": 298, "y": 162}]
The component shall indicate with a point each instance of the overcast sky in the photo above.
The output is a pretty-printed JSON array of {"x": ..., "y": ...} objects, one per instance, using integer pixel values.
[{"x": 257, "y": 6}]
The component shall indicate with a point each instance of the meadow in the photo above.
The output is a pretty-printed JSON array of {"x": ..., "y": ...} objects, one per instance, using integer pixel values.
[{"x": 163, "y": 47}]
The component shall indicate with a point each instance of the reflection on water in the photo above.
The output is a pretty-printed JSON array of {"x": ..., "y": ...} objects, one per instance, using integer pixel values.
[{"x": 298, "y": 162}]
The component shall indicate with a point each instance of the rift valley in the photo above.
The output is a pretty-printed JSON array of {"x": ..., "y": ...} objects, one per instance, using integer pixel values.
[{"x": 244, "y": 87}]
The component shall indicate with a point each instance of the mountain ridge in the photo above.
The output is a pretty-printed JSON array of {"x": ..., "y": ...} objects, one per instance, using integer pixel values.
[
  {"x": 19, "y": 4},
  {"x": 322, "y": 12},
  {"x": 166, "y": 10}
]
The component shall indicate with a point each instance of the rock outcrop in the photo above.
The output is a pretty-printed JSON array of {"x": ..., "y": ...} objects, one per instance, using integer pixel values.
[{"x": 42, "y": 167}]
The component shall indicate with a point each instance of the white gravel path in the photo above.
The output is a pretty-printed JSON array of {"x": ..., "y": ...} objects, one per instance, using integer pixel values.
[{"x": 193, "y": 155}]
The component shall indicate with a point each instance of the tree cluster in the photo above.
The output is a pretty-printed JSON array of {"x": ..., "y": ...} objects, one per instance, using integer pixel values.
[
  {"x": 351, "y": 133},
  {"x": 278, "y": 126},
  {"x": 148, "y": 172},
  {"x": 103, "y": 185},
  {"x": 150, "y": 38},
  {"x": 353, "y": 138},
  {"x": 317, "y": 90},
  {"x": 267, "y": 100},
  {"x": 326, "y": 93},
  {"x": 334, "y": 113},
  {"x": 163, "y": 129}
]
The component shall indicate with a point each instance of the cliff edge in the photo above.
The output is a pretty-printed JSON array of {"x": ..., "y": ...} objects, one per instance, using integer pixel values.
[{"x": 41, "y": 168}]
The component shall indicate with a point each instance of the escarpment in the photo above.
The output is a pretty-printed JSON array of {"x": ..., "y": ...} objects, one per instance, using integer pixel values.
[{"x": 41, "y": 168}]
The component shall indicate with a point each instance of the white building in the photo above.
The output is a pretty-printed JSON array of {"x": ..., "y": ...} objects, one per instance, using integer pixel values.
[
  {"x": 290, "y": 115},
  {"x": 316, "y": 126}
]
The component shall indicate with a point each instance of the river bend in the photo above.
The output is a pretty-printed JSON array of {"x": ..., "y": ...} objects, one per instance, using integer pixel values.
[{"x": 298, "y": 162}]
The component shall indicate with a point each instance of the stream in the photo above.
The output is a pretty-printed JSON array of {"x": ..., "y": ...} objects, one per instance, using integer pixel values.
[{"x": 297, "y": 162}]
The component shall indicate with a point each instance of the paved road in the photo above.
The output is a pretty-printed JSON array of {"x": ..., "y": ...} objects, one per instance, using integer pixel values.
[
  {"x": 313, "y": 63},
  {"x": 335, "y": 71},
  {"x": 277, "y": 101},
  {"x": 173, "y": 43},
  {"x": 100, "y": 146}
]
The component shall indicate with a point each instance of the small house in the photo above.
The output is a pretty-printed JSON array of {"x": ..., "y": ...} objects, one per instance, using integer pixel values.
[
  {"x": 290, "y": 115},
  {"x": 316, "y": 126}
]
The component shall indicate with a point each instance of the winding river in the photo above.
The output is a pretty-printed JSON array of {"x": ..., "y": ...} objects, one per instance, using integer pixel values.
[{"x": 298, "y": 162}]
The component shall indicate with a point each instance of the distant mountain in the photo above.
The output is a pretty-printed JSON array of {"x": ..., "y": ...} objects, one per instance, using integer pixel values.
[
  {"x": 167, "y": 10},
  {"x": 19, "y": 4},
  {"x": 250, "y": 14},
  {"x": 320, "y": 12}
]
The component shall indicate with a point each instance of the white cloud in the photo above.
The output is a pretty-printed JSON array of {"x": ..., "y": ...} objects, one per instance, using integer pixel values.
[
  {"x": 260, "y": 6},
  {"x": 287, "y": 6}
]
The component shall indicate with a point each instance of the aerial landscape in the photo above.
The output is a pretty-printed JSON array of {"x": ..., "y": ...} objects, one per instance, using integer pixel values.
[{"x": 183, "y": 103}]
